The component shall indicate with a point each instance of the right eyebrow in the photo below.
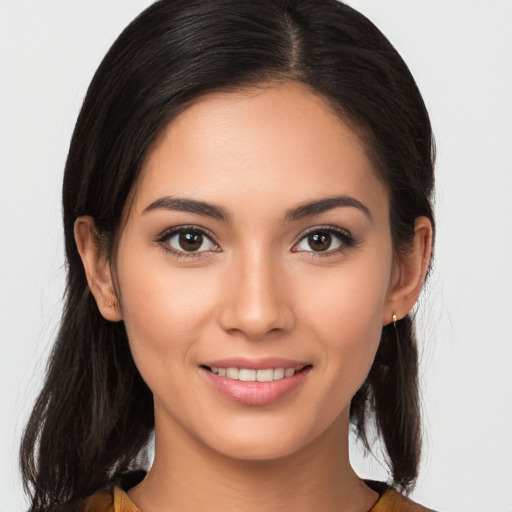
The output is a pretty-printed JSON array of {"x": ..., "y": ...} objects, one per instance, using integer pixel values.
[
  {"x": 188, "y": 205},
  {"x": 326, "y": 204}
]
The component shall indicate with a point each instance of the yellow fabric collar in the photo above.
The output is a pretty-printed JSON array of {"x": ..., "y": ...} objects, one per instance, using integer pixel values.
[{"x": 118, "y": 501}]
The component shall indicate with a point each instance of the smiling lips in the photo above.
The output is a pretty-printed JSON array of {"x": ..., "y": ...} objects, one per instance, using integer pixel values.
[{"x": 253, "y": 383}]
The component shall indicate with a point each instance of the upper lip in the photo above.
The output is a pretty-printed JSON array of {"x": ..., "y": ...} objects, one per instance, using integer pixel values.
[{"x": 256, "y": 363}]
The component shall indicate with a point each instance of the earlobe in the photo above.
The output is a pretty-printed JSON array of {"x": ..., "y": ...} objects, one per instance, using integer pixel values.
[
  {"x": 97, "y": 268},
  {"x": 412, "y": 267}
]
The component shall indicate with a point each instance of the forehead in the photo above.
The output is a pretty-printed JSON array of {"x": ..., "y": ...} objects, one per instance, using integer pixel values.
[{"x": 281, "y": 142}]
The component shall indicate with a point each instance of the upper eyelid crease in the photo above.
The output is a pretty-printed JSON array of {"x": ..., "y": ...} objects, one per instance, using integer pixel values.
[
  {"x": 333, "y": 230},
  {"x": 171, "y": 232},
  {"x": 345, "y": 237},
  {"x": 167, "y": 233}
]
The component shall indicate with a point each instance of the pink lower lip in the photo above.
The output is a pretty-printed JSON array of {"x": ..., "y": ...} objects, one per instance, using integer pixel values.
[{"x": 255, "y": 393}]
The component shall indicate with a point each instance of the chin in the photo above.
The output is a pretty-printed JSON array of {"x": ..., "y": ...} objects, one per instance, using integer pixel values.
[
  {"x": 270, "y": 442},
  {"x": 258, "y": 451}
]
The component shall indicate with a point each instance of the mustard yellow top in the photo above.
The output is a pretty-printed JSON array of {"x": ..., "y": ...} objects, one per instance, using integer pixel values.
[{"x": 117, "y": 500}]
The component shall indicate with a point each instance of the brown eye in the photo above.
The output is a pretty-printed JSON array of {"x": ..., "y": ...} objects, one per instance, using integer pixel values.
[
  {"x": 190, "y": 241},
  {"x": 320, "y": 241},
  {"x": 328, "y": 240}
]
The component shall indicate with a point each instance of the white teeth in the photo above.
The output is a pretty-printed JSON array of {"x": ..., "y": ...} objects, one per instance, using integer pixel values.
[
  {"x": 265, "y": 375},
  {"x": 279, "y": 373},
  {"x": 249, "y": 375},
  {"x": 232, "y": 373}
]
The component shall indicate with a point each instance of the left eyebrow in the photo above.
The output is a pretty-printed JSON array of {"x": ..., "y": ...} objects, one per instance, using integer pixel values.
[{"x": 324, "y": 205}]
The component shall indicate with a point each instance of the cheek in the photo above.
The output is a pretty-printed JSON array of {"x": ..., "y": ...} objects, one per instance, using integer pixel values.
[
  {"x": 348, "y": 300},
  {"x": 345, "y": 311},
  {"x": 164, "y": 311},
  {"x": 351, "y": 340}
]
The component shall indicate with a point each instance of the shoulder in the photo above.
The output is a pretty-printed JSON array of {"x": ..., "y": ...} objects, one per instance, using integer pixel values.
[
  {"x": 392, "y": 501},
  {"x": 114, "y": 500}
]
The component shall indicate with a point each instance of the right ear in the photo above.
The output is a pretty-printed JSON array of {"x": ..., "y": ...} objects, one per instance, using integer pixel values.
[{"x": 97, "y": 268}]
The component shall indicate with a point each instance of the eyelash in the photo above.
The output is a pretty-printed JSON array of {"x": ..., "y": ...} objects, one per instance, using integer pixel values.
[
  {"x": 344, "y": 237},
  {"x": 163, "y": 241}
]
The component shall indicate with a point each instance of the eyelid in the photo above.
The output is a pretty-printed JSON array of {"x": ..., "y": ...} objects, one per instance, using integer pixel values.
[
  {"x": 168, "y": 233},
  {"x": 346, "y": 238}
]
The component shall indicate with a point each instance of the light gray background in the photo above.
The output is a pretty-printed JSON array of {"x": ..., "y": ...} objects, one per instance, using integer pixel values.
[{"x": 460, "y": 52}]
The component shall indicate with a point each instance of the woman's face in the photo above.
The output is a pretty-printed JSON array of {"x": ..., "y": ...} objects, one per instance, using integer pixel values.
[{"x": 257, "y": 246}]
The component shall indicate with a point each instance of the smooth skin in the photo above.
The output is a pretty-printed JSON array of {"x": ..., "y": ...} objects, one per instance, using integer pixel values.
[{"x": 255, "y": 274}]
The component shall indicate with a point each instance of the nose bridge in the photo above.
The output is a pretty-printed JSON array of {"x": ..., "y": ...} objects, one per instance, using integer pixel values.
[{"x": 256, "y": 301}]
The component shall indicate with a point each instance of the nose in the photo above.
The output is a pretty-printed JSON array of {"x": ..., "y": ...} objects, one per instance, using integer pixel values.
[{"x": 256, "y": 302}]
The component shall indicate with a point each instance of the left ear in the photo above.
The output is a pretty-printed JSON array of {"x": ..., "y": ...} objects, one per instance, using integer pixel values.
[{"x": 410, "y": 271}]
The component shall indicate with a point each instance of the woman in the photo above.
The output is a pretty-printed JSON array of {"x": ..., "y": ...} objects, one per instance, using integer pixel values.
[{"x": 248, "y": 224}]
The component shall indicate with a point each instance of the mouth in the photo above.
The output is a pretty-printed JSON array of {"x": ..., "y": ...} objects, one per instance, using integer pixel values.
[
  {"x": 256, "y": 383},
  {"x": 255, "y": 375}
]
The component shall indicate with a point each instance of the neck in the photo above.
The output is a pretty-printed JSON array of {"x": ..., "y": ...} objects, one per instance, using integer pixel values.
[{"x": 188, "y": 476}]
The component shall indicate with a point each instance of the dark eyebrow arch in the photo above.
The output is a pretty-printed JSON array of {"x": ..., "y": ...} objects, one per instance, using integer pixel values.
[
  {"x": 188, "y": 205},
  {"x": 324, "y": 205}
]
